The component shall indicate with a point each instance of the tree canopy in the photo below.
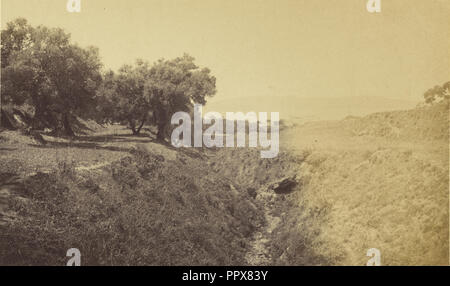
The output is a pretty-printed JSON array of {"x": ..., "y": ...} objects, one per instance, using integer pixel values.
[
  {"x": 41, "y": 67},
  {"x": 141, "y": 92},
  {"x": 175, "y": 85},
  {"x": 121, "y": 96}
]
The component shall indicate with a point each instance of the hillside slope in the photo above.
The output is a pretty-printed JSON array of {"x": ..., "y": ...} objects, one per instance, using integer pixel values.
[
  {"x": 155, "y": 206},
  {"x": 380, "y": 181}
]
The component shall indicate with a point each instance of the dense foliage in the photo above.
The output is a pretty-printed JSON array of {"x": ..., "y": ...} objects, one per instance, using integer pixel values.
[
  {"x": 61, "y": 81},
  {"x": 42, "y": 68},
  {"x": 140, "y": 92}
]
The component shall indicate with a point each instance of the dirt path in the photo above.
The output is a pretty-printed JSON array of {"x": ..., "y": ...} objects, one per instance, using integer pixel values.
[{"x": 92, "y": 167}]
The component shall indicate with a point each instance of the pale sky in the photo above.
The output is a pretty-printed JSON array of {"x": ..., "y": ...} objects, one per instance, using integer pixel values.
[{"x": 299, "y": 48}]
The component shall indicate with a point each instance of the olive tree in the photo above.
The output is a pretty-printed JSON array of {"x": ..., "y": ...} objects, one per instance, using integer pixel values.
[
  {"x": 175, "y": 85},
  {"x": 121, "y": 98},
  {"x": 43, "y": 68}
]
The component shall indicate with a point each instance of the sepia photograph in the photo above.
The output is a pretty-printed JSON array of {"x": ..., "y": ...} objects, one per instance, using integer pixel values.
[{"x": 250, "y": 133}]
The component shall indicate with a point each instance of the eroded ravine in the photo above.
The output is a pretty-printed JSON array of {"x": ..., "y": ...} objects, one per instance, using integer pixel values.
[
  {"x": 259, "y": 253},
  {"x": 270, "y": 197}
]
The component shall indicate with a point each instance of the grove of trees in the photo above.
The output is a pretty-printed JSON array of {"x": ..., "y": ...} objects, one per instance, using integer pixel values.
[
  {"x": 140, "y": 92},
  {"x": 60, "y": 81}
]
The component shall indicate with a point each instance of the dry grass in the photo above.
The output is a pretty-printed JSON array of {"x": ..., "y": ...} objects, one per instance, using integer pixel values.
[
  {"x": 372, "y": 189},
  {"x": 141, "y": 210}
]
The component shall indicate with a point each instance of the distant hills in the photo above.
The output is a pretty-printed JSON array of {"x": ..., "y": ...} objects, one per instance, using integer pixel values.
[{"x": 309, "y": 108}]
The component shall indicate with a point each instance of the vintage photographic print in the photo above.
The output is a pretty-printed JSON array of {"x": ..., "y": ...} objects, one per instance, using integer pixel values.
[{"x": 224, "y": 133}]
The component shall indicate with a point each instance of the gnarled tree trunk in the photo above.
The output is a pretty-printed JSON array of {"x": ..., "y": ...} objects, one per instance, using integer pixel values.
[{"x": 67, "y": 126}]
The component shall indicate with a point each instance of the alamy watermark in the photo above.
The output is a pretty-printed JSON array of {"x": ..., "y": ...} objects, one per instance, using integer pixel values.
[
  {"x": 214, "y": 135},
  {"x": 73, "y": 6},
  {"x": 373, "y": 6},
  {"x": 75, "y": 257},
  {"x": 375, "y": 257}
]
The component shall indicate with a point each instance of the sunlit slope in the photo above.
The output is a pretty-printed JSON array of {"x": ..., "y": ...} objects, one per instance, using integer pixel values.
[{"x": 375, "y": 182}]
